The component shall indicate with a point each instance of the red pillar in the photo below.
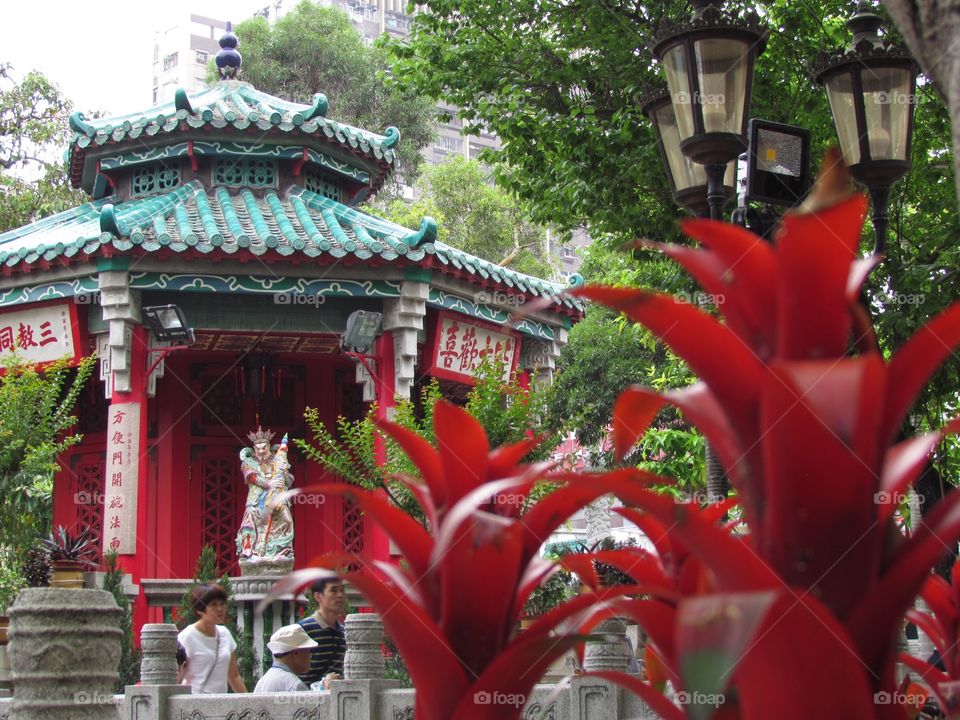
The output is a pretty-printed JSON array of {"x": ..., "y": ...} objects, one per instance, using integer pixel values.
[
  {"x": 523, "y": 379},
  {"x": 132, "y": 559},
  {"x": 385, "y": 383}
]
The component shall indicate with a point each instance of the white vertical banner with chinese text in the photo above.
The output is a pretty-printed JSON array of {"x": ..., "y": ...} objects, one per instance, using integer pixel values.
[
  {"x": 460, "y": 345},
  {"x": 120, "y": 489},
  {"x": 41, "y": 333}
]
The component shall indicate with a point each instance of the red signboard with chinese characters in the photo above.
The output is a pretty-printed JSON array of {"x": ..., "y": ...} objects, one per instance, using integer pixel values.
[
  {"x": 41, "y": 333},
  {"x": 120, "y": 483},
  {"x": 460, "y": 344}
]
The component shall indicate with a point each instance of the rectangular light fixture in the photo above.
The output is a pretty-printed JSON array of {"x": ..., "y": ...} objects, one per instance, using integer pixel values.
[
  {"x": 168, "y": 323},
  {"x": 778, "y": 163},
  {"x": 362, "y": 327}
]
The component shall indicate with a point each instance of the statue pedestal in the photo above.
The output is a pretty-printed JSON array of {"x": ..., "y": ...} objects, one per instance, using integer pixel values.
[
  {"x": 248, "y": 591},
  {"x": 265, "y": 566}
]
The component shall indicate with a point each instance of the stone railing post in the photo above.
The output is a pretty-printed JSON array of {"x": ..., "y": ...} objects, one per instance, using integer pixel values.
[
  {"x": 364, "y": 658},
  {"x": 608, "y": 649},
  {"x": 64, "y": 651},
  {"x": 593, "y": 698},
  {"x": 357, "y": 696},
  {"x": 158, "y": 674},
  {"x": 158, "y": 666}
]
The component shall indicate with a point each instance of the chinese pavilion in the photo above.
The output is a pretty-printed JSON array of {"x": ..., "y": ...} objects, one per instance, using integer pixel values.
[{"x": 240, "y": 209}]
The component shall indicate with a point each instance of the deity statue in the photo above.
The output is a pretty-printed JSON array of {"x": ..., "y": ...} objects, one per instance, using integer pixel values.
[{"x": 265, "y": 538}]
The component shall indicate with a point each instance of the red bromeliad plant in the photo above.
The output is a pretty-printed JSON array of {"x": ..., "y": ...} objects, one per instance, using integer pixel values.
[
  {"x": 942, "y": 626},
  {"x": 800, "y": 614},
  {"x": 452, "y": 606}
]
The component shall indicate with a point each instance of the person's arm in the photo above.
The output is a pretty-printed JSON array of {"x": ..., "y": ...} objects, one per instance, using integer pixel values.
[
  {"x": 234, "y": 679},
  {"x": 181, "y": 662}
]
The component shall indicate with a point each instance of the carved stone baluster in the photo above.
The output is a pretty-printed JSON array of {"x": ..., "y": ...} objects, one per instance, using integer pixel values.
[
  {"x": 609, "y": 650},
  {"x": 364, "y": 659},
  {"x": 158, "y": 666}
]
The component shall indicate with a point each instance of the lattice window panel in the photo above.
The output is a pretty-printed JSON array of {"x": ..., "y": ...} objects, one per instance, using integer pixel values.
[
  {"x": 89, "y": 470},
  {"x": 219, "y": 519},
  {"x": 352, "y": 528},
  {"x": 220, "y": 411},
  {"x": 246, "y": 172},
  {"x": 321, "y": 183},
  {"x": 154, "y": 178},
  {"x": 92, "y": 408},
  {"x": 352, "y": 406}
]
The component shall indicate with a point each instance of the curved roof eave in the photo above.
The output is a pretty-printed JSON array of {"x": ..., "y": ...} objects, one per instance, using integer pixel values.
[{"x": 216, "y": 223}]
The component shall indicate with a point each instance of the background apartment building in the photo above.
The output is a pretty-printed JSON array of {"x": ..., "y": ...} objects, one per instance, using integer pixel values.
[{"x": 181, "y": 54}]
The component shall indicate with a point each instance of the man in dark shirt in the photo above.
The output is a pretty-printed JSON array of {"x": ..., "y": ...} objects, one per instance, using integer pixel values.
[{"x": 325, "y": 628}]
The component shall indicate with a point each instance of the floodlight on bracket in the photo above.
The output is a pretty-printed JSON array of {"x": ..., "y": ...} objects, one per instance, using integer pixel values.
[{"x": 168, "y": 324}]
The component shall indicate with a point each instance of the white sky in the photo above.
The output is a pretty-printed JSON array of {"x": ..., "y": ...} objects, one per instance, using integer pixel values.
[{"x": 100, "y": 54}]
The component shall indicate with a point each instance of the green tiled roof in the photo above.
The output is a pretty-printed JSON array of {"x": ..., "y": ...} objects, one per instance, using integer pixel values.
[
  {"x": 241, "y": 222},
  {"x": 230, "y": 105}
]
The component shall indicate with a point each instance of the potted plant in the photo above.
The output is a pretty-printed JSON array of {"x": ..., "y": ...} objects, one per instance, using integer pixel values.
[{"x": 69, "y": 556}]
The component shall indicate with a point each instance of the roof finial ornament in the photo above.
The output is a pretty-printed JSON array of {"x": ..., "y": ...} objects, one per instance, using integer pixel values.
[{"x": 228, "y": 59}]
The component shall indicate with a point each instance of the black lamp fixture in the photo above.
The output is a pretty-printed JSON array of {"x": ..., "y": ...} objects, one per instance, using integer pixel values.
[
  {"x": 871, "y": 86},
  {"x": 688, "y": 180},
  {"x": 168, "y": 323},
  {"x": 361, "y": 331},
  {"x": 708, "y": 62},
  {"x": 778, "y": 163}
]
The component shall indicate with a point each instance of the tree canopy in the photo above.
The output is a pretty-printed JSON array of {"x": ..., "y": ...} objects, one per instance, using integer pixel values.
[
  {"x": 35, "y": 425},
  {"x": 33, "y": 134},
  {"x": 560, "y": 83},
  {"x": 476, "y": 216},
  {"x": 315, "y": 49}
]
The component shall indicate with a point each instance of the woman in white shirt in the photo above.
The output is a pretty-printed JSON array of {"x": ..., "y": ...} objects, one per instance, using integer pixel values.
[{"x": 211, "y": 650}]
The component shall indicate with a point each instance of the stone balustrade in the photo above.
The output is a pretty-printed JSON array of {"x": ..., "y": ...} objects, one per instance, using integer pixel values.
[{"x": 364, "y": 694}]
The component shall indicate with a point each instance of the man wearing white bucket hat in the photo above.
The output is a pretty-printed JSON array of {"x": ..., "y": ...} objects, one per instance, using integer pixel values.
[{"x": 291, "y": 647}]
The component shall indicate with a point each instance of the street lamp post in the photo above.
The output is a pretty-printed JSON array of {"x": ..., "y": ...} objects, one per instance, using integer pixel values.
[
  {"x": 870, "y": 86},
  {"x": 708, "y": 62},
  {"x": 689, "y": 186},
  {"x": 688, "y": 180}
]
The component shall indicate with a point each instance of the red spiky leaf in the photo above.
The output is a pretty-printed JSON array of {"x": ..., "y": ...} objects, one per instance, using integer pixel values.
[
  {"x": 634, "y": 410},
  {"x": 913, "y": 364}
]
